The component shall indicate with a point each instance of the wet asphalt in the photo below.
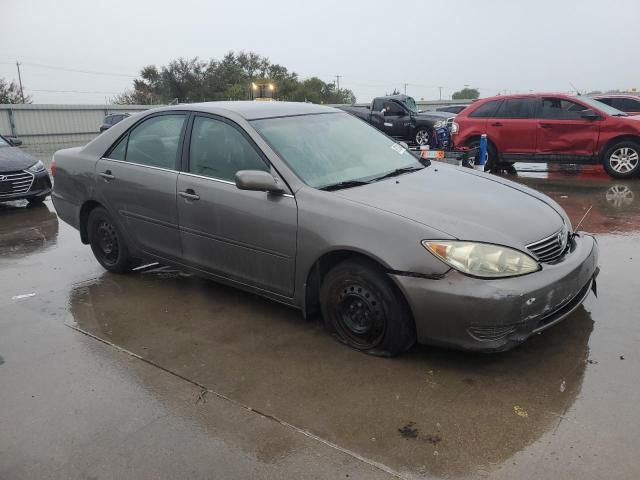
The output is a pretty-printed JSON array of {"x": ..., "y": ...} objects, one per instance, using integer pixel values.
[{"x": 159, "y": 374}]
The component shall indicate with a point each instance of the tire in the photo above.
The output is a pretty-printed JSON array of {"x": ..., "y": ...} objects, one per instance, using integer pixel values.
[
  {"x": 492, "y": 157},
  {"x": 363, "y": 309},
  {"x": 107, "y": 242},
  {"x": 423, "y": 136},
  {"x": 622, "y": 160}
]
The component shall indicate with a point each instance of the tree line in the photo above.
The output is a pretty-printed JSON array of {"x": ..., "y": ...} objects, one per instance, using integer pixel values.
[{"x": 231, "y": 78}]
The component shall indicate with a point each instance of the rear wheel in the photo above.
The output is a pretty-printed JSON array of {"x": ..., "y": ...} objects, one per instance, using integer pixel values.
[
  {"x": 491, "y": 158},
  {"x": 107, "y": 243},
  {"x": 364, "y": 310},
  {"x": 622, "y": 160}
]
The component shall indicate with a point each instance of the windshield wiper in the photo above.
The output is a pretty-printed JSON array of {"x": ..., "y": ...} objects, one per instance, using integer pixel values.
[
  {"x": 345, "y": 184},
  {"x": 398, "y": 171}
]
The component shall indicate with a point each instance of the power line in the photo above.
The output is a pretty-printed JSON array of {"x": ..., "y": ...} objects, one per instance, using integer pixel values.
[
  {"x": 75, "y": 70},
  {"x": 72, "y": 91}
]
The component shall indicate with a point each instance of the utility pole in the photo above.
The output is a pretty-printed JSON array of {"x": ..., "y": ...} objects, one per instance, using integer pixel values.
[
  {"x": 20, "y": 80},
  {"x": 405, "y": 88},
  {"x": 440, "y": 88},
  {"x": 338, "y": 77}
]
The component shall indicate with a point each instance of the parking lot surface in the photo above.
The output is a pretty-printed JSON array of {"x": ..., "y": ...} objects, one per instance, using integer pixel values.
[{"x": 159, "y": 374}]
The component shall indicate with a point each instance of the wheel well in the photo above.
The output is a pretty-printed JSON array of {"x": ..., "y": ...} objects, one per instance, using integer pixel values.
[
  {"x": 84, "y": 216},
  {"x": 621, "y": 138},
  {"x": 477, "y": 138},
  {"x": 318, "y": 271}
]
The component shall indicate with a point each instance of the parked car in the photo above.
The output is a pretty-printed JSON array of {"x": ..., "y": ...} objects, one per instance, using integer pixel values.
[
  {"x": 629, "y": 104},
  {"x": 552, "y": 128},
  {"x": 309, "y": 206},
  {"x": 111, "y": 119},
  {"x": 455, "y": 109},
  {"x": 398, "y": 117},
  {"x": 21, "y": 175}
]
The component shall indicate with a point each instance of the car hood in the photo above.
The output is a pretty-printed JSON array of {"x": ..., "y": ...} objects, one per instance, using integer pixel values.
[
  {"x": 12, "y": 158},
  {"x": 435, "y": 115},
  {"x": 465, "y": 204}
]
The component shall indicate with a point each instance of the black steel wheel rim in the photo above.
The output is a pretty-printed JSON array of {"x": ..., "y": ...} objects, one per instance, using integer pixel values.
[
  {"x": 360, "y": 316},
  {"x": 107, "y": 242}
]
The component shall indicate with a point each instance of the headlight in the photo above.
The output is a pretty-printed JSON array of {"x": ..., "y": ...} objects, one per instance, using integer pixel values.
[
  {"x": 482, "y": 259},
  {"x": 440, "y": 124},
  {"x": 36, "y": 167}
]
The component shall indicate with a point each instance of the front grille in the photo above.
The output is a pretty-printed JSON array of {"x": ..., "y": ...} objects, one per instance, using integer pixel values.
[
  {"x": 15, "y": 183},
  {"x": 550, "y": 248}
]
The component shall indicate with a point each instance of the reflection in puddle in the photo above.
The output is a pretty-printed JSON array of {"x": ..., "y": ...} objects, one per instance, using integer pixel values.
[
  {"x": 461, "y": 410},
  {"x": 26, "y": 230}
]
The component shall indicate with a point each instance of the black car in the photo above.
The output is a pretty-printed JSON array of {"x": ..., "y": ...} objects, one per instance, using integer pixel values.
[
  {"x": 398, "y": 116},
  {"x": 111, "y": 119},
  {"x": 21, "y": 175},
  {"x": 452, "y": 109}
]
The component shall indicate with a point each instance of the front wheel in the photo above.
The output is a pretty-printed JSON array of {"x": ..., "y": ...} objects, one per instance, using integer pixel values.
[
  {"x": 364, "y": 310},
  {"x": 622, "y": 160},
  {"x": 107, "y": 243},
  {"x": 423, "y": 136}
]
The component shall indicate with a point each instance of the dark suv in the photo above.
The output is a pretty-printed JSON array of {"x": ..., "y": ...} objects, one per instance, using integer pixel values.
[
  {"x": 551, "y": 128},
  {"x": 627, "y": 103},
  {"x": 111, "y": 119}
]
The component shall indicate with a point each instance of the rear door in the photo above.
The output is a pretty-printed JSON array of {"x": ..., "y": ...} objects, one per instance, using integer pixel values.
[
  {"x": 247, "y": 236},
  {"x": 136, "y": 181},
  {"x": 513, "y": 127},
  {"x": 377, "y": 114},
  {"x": 562, "y": 132}
]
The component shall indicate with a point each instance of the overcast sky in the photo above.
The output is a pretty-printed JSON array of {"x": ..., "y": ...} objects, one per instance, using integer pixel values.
[{"x": 376, "y": 46}]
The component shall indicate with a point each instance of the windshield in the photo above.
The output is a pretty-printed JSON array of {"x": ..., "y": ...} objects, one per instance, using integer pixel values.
[
  {"x": 331, "y": 148},
  {"x": 603, "y": 107},
  {"x": 4, "y": 143},
  {"x": 411, "y": 104}
]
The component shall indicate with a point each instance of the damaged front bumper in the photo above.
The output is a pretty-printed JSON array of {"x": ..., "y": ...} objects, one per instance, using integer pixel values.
[{"x": 494, "y": 315}]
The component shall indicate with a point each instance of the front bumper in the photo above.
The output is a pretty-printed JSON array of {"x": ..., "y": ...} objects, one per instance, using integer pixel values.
[
  {"x": 494, "y": 315},
  {"x": 40, "y": 187}
]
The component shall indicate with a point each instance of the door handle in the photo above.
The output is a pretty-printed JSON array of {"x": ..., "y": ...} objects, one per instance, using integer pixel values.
[
  {"x": 496, "y": 124},
  {"x": 107, "y": 175},
  {"x": 545, "y": 125},
  {"x": 189, "y": 194}
]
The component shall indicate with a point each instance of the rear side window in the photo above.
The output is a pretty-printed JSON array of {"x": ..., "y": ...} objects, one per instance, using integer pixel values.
[
  {"x": 560, "y": 109},
  {"x": 626, "y": 104},
  {"x": 516, "y": 108},
  {"x": 155, "y": 141},
  {"x": 486, "y": 110},
  {"x": 219, "y": 150}
]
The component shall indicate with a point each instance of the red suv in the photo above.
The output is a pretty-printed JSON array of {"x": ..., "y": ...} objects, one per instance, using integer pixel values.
[{"x": 552, "y": 128}]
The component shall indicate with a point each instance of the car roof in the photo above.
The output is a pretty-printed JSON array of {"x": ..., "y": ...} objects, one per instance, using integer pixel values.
[
  {"x": 617, "y": 95},
  {"x": 253, "y": 110}
]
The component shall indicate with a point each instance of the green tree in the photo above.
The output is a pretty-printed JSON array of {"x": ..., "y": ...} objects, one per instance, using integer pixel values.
[
  {"x": 10, "y": 93},
  {"x": 191, "y": 80},
  {"x": 466, "y": 94}
]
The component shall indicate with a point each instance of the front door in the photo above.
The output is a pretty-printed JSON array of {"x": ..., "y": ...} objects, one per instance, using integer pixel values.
[
  {"x": 562, "y": 132},
  {"x": 247, "y": 236},
  {"x": 136, "y": 181}
]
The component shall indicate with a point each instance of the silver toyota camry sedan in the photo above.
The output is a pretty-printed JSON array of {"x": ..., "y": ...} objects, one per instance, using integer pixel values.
[{"x": 313, "y": 208}]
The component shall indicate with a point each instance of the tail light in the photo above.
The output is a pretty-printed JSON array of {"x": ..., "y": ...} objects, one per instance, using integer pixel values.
[
  {"x": 54, "y": 168},
  {"x": 454, "y": 128}
]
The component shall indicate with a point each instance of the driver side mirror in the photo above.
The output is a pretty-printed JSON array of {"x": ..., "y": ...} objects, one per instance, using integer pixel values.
[
  {"x": 257, "y": 180},
  {"x": 16, "y": 142},
  {"x": 589, "y": 114}
]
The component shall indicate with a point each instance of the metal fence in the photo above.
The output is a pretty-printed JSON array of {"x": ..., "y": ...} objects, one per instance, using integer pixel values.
[{"x": 44, "y": 129}]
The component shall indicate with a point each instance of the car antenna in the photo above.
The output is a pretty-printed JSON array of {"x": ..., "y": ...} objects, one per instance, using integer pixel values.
[
  {"x": 575, "y": 88},
  {"x": 582, "y": 219}
]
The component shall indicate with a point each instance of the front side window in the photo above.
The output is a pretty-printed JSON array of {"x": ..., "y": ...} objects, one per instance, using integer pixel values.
[
  {"x": 392, "y": 108},
  {"x": 155, "y": 141},
  {"x": 560, "y": 109},
  {"x": 3, "y": 143},
  {"x": 219, "y": 150},
  {"x": 516, "y": 108},
  {"x": 486, "y": 110},
  {"x": 119, "y": 151},
  {"x": 326, "y": 149}
]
